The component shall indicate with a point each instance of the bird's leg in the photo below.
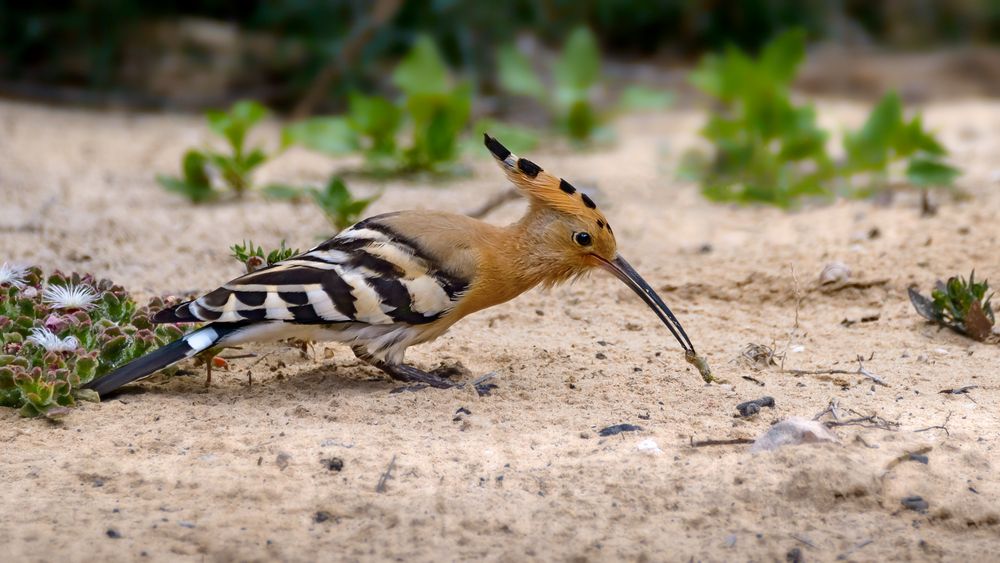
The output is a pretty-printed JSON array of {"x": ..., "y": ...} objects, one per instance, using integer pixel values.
[{"x": 403, "y": 372}]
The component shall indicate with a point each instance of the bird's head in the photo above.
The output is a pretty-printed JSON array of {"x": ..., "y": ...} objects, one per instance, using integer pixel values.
[{"x": 570, "y": 236}]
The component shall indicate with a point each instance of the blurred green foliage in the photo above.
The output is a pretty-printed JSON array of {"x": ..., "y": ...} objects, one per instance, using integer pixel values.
[
  {"x": 336, "y": 201},
  {"x": 88, "y": 44},
  {"x": 575, "y": 75},
  {"x": 234, "y": 168},
  {"x": 768, "y": 149},
  {"x": 887, "y": 137},
  {"x": 339, "y": 205},
  {"x": 433, "y": 106}
]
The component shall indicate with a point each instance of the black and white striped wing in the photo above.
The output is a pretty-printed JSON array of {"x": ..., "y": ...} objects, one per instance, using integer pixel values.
[{"x": 366, "y": 274}]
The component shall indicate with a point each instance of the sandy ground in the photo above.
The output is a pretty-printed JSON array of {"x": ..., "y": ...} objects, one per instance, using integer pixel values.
[{"x": 237, "y": 472}]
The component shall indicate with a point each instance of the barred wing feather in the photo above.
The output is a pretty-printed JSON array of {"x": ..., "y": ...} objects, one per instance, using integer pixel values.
[{"x": 366, "y": 274}]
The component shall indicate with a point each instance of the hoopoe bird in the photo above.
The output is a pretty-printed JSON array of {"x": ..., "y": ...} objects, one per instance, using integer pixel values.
[{"x": 400, "y": 279}]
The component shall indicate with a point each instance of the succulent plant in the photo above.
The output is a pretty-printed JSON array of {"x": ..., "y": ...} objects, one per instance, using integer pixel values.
[
  {"x": 959, "y": 304},
  {"x": 60, "y": 332}
]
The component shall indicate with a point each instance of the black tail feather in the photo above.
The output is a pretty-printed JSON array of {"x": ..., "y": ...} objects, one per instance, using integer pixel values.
[{"x": 160, "y": 358}]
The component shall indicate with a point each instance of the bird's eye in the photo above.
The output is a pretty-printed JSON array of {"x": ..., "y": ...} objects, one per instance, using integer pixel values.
[{"x": 583, "y": 239}]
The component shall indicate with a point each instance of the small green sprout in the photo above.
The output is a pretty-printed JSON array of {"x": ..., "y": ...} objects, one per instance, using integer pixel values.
[
  {"x": 959, "y": 304},
  {"x": 254, "y": 258},
  {"x": 59, "y": 333},
  {"x": 234, "y": 168},
  {"x": 434, "y": 107}
]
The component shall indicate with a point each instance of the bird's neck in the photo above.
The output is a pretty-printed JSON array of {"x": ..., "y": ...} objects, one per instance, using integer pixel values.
[{"x": 512, "y": 260}]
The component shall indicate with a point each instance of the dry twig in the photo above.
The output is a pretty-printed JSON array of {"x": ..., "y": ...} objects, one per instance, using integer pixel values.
[
  {"x": 730, "y": 442},
  {"x": 942, "y": 426},
  {"x": 862, "y": 371},
  {"x": 380, "y": 487},
  {"x": 494, "y": 202}
]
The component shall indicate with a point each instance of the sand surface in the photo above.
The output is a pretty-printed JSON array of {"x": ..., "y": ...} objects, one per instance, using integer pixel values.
[{"x": 237, "y": 472}]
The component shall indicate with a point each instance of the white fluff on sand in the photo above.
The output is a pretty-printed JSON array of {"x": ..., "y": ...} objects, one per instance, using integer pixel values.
[{"x": 792, "y": 432}]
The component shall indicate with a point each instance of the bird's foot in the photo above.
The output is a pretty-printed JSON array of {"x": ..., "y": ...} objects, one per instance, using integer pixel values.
[{"x": 419, "y": 378}]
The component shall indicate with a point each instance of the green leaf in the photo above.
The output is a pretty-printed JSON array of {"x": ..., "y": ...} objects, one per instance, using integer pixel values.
[
  {"x": 234, "y": 125},
  {"x": 375, "y": 117},
  {"x": 781, "y": 56},
  {"x": 579, "y": 66},
  {"x": 581, "y": 120},
  {"x": 913, "y": 138},
  {"x": 422, "y": 70},
  {"x": 516, "y": 74},
  {"x": 339, "y": 205},
  {"x": 926, "y": 172},
  {"x": 868, "y": 148},
  {"x": 193, "y": 165},
  {"x": 330, "y": 135},
  {"x": 638, "y": 98}
]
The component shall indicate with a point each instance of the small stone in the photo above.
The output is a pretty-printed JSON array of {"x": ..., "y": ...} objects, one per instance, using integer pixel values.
[
  {"x": 915, "y": 502},
  {"x": 618, "y": 429},
  {"x": 113, "y": 534},
  {"x": 333, "y": 463},
  {"x": 600, "y": 356},
  {"x": 282, "y": 460},
  {"x": 322, "y": 516}
]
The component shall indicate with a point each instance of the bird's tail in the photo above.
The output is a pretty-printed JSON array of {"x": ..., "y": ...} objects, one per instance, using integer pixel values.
[{"x": 197, "y": 341}]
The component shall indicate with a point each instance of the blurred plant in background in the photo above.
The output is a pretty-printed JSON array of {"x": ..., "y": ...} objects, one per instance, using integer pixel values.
[
  {"x": 570, "y": 94},
  {"x": 310, "y": 55},
  {"x": 433, "y": 106},
  {"x": 233, "y": 169},
  {"x": 59, "y": 333},
  {"x": 767, "y": 149},
  {"x": 341, "y": 208}
]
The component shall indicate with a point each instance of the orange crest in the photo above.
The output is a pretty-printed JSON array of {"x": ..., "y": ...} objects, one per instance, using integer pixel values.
[{"x": 544, "y": 189}]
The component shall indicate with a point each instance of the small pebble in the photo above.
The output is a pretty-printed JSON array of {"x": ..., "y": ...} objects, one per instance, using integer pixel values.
[
  {"x": 113, "y": 533},
  {"x": 618, "y": 429},
  {"x": 282, "y": 460},
  {"x": 322, "y": 516},
  {"x": 333, "y": 463},
  {"x": 916, "y": 503},
  {"x": 750, "y": 408}
]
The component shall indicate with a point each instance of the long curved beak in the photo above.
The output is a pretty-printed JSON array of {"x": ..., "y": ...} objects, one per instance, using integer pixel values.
[{"x": 627, "y": 274}]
